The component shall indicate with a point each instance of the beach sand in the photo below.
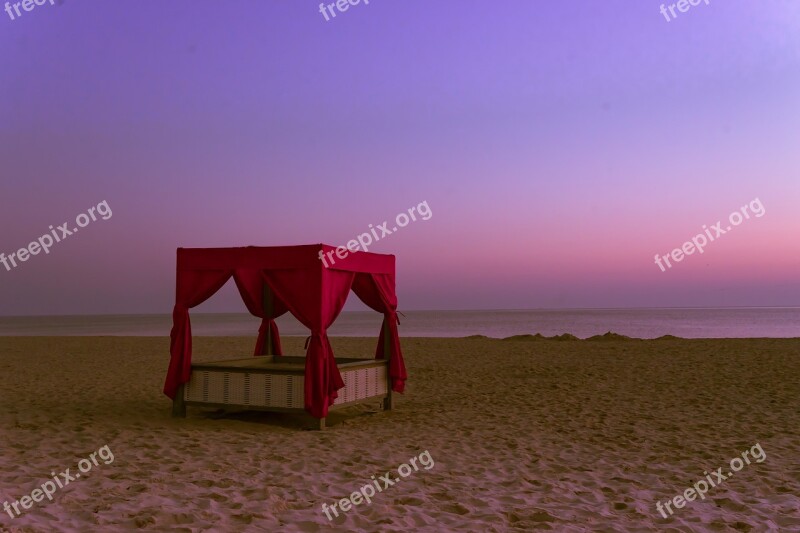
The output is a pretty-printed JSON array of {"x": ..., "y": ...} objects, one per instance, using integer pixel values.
[{"x": 526, "y": 434}]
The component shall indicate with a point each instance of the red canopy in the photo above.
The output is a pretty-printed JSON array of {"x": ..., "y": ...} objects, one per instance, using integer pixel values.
[{"x": 300, "y": 283}]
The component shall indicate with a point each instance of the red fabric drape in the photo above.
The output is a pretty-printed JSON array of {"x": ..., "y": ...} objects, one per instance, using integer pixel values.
[
  {"x": 250, "y": 283},
  {"x": 315, "y": 297},
  {"x": 377, "y": 291},
  {"x": 193, "y": 288},
  {"x": 274, "y": 336},
  {"x": 301, "y": 284}
]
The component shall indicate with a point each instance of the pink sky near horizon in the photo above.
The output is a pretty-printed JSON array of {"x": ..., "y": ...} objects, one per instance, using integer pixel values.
[{"x": 559, "y": 148}]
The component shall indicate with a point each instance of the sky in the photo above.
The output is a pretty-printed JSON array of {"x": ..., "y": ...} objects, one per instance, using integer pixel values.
[{"x": 559, "y": 146}]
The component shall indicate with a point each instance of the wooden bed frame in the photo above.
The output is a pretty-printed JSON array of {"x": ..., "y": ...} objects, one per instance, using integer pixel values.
[{"x": 277, "y": 383}]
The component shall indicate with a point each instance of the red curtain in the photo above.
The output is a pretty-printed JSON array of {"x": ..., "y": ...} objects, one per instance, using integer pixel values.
[
  {"x": 250, "y": 283},
  {"x": 193, "y": 288},
  {"x": 377, "y": 291},
  {"x": 300, "y": 284},
  {"x": 315, "y": 300}
]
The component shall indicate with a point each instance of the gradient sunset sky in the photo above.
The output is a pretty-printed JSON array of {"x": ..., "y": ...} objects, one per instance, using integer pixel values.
[{"x": 560, "y": 145}]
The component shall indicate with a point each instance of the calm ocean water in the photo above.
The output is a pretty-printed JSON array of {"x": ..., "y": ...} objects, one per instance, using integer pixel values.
[{"x": 642, "y": 323}]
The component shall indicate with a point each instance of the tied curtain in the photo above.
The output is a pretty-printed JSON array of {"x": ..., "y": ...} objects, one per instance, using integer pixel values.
[
  {"x": 195, "y": 287},
  {"x": 251, "y": 288},
  {"x": 315, "y": 301},
  {"x": 377, "y": 291}
]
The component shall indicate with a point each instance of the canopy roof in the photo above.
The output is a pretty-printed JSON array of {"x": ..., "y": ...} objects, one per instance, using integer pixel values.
[{"x": 276, "y": 279}]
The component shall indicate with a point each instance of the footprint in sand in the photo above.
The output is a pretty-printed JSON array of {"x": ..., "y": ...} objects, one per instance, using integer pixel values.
[
  {"x": 455, "y": 508},
  {"x": 410, "y": 500}
]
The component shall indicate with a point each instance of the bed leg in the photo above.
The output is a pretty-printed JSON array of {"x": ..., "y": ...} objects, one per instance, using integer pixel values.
[
  {"x": 388, "y": 402},
  {"x": 313, "y": 423},
  {"x": 178, "y": 405}
]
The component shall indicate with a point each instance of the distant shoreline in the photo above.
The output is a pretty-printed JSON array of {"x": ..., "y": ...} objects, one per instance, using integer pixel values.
[{"x": 712, "y": 323}]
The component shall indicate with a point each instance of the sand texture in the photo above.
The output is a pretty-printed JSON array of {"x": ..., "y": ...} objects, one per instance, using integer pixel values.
[{"x": 526, "y": 434}]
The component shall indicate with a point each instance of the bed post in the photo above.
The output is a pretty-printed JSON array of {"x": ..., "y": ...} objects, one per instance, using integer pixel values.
[
  {"x": 313, "y": 423},
  {"x": 267, "y": 301},
  {"x": 178, "y": 405},
  {"x": 388, "y": 402}
]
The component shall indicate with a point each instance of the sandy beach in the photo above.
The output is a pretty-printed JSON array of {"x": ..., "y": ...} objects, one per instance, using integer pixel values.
[{"x": 525, "y": 434}]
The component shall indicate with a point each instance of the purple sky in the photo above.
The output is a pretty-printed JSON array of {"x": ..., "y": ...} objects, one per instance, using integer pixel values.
[{"x": 560, "y": 145}]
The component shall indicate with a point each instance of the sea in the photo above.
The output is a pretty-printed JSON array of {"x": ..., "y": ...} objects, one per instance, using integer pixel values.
[{"x": 741, "y": 322}]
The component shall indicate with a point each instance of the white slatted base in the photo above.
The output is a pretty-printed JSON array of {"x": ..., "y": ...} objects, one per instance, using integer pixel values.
[
  {"x": 244, "y": 388},
  {"x": 362, "y": 383},
  {"x": 277, "y": 390}
]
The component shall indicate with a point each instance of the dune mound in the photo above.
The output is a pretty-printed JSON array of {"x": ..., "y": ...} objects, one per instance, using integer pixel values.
[
  {"x": 609, "y": 336},
  {"x": 565, "y": 337},
  {"x": 528, "y": 337}
]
